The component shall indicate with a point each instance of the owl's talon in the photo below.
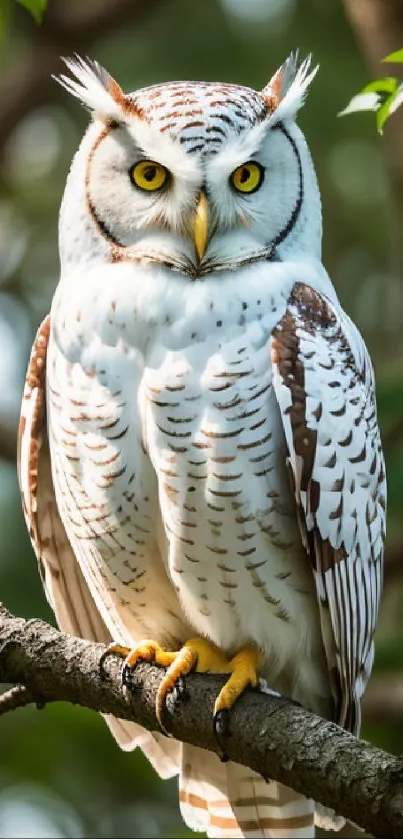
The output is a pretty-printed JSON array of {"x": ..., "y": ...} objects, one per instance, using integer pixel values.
[
  {"x": 221, "y": 723},
  {"x": 243, "y": 669},
  {"x": 181, "y": 688},
  {"x": 197, "y": 654},
  {"x": 112, "y": 649},
  {"x": 221, "y": 726},
  {"x": 145, "y": 651},
  {"x": 200, "y": 655},
  {"x": 126, "y": 677}
]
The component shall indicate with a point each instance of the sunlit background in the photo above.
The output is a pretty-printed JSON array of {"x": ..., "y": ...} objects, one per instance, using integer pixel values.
[{"x": 61, "y": 774}]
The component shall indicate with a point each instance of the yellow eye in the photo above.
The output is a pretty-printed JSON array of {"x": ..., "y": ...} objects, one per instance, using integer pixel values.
[
  {"x": 248, "y": 177},
  {"x": 148, "y": 175}
]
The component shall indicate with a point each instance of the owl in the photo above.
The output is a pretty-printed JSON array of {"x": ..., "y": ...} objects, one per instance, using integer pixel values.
[{"x": 200, "y": 460}]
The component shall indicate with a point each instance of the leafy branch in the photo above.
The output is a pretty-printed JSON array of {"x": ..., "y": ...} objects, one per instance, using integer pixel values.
[
  {"x": 269, "y": 733},
  {"x": 384, "y": 96}
]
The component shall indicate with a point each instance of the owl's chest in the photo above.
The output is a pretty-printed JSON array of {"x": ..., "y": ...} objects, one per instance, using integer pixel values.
[
  {"x": 172, "y": 434},
  {"x": 214, "y": 436},
  {"x": 211, "y": 423}
]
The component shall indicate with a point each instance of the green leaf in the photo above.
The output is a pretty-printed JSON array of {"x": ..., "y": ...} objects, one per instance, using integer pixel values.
[
  {"x": 388, "y": 106},
  {"x": 397, "y": 99},
  {"x": 361, "y": 102},
  {"x": 395, "y": 57},
  {"x": 383, "y": 113},
  {"x": 36, "y": 7},
  {"x": 386, "y": 85},
  {"x": 381, "y": 95}
]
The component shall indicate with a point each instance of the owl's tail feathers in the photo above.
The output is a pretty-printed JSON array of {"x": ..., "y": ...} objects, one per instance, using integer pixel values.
[
  {"x": 225, "y": 800},
  {"x": 162, "y": 752},
  {"x": 229, "y": 800}
]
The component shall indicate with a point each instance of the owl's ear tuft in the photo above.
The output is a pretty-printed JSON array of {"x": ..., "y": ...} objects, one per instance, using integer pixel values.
[
  {"x": 95, "y": 88},
  {"x": 286, "y": 91}
]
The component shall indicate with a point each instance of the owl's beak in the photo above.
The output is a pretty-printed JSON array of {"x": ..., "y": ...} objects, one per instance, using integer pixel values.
[{"x": 200, "y": 228}]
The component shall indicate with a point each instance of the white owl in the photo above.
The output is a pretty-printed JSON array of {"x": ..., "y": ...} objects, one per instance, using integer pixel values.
[{"x": 200, "y": 459}]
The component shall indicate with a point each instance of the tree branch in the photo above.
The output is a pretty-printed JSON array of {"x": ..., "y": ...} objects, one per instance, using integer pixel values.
[{"x": 270, "y": 734}]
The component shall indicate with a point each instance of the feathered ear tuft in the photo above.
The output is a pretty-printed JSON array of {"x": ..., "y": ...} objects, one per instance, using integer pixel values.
[
  {"x": 94, "y": 87},
  {"x": 286, "y": 91}
]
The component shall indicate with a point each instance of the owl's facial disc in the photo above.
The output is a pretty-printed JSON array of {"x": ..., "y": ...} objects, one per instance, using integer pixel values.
[
  {"x": 195, "y": 176},
  {"x": 196, "y": 212}
]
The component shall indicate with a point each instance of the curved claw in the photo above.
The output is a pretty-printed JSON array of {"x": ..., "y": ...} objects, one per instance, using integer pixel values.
[
  {"x": 126, "y": 676},
  {"x": 243, "y": 668},
  {"x": 145, "y": 651},
  {"x": 197, "y": 654},
  {"x": 185, "y": 661},
  {"x": 221, "y": 723},
  {"x": 222, "y": 731},
  {"x": 112, "y": 649},
  {"x": 181, "y": 689}
]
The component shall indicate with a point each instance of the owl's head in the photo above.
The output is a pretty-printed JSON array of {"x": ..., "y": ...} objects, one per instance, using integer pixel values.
[{"x": 196, "y": 176}]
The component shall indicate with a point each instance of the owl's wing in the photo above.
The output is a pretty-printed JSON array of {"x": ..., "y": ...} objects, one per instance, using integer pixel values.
[
  {"x": 324, "y": 385},
  {"x": 64, "y": 584},
  {"x": 63, "y": 581}
]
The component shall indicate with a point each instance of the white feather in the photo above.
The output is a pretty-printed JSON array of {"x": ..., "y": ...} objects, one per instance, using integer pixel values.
[
  {"x": 294, "y": 83},
  {"x": 92, "y": 87}
]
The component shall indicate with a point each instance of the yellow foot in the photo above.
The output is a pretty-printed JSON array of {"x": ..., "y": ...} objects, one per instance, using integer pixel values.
[
  {"x": 243, "y": 668},
  {"x": 145, "y": 651},
  {"x": 198, "y": 655}
]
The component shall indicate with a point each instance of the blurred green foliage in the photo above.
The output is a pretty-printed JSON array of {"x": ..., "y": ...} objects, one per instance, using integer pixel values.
[
  {"x": 61, "y": 773},
  {"x": 36, "y": 7}
]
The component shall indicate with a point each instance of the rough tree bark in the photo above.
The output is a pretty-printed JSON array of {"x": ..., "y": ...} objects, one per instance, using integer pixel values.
[{"x": 270, "y": 734}]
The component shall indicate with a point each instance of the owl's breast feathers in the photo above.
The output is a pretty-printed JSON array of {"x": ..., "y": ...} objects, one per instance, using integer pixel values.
[
  {"x": 213, "y": 433},
  {"x": 171, "y": 464}
]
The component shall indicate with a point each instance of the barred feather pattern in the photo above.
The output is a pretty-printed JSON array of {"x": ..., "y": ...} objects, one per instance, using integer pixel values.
[
  {"x": 325, "y": 388},
  {"x": 228, "y": 800}
]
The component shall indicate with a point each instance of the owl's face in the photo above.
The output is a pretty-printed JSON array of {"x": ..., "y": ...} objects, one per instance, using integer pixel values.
[{"x": 196, "y": 176}]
